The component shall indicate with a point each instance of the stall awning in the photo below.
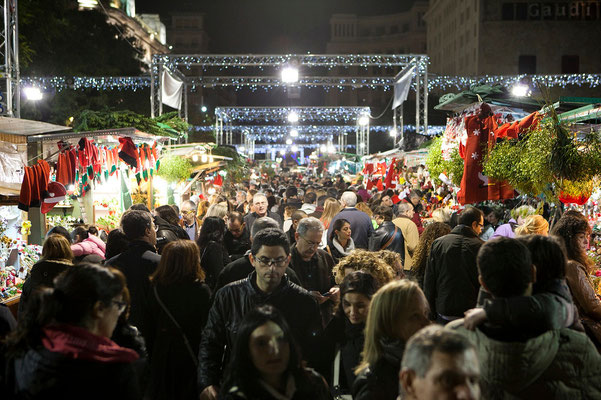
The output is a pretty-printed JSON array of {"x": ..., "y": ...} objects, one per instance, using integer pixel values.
[{"x": 108, "y": 135}]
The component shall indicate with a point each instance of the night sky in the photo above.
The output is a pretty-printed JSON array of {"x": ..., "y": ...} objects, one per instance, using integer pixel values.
[{"x": 270, "y": 26}]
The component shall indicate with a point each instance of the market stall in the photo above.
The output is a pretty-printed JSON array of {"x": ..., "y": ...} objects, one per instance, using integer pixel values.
[
  {"x": 72, "y": 179},
  {"x": 16, "y": 255}
]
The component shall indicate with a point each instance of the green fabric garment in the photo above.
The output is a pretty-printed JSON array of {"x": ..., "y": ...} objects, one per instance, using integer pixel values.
[
  {"x": 557, "y": 364},
  {"x": 126, "y": 200}
]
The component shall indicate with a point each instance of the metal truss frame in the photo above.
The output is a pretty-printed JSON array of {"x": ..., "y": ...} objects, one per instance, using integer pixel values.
[
  {"x": 226, "y": 116},
  {"x": 9, "y": 67},
  {"x": 304, "y": 62}
]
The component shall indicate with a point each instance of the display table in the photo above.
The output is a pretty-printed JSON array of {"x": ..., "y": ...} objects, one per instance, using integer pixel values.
[{"x": 13, "y": 304}]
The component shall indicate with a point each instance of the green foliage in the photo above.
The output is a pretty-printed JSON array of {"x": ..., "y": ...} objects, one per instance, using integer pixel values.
[
  {"x": 237, "y": 169},
  {"x": 175, "y": 169},
  {"x": 452, "y": 168},
  {"x": 524, "y": 164},
  {"x": 174, "y": 121},
  {"x": 89, "y": 120},
  {"x": 546, "y": 160}
]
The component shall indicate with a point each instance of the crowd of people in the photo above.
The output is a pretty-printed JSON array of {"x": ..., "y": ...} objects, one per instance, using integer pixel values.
[{"x": 306, "y": 288}]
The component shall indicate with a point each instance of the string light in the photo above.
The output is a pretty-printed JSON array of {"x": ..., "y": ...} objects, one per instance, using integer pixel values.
[
  {"x": 280, "y": 114},
  {"x": 435, "y": 82},
  {"x": 274, "y": 133}
]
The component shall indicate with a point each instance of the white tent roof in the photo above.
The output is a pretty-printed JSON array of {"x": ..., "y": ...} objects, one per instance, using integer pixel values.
[{"x": 25, "y": 127}]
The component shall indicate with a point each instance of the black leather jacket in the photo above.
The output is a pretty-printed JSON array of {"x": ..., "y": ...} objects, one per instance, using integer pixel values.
[
  {"x": 233, "y": 301},
  {"x": 383, "y": 234}
]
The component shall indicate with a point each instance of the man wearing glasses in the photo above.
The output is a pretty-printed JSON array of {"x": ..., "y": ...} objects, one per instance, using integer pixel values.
[
  {"x": 312, "y": 265},
  {"x": 267, "y": 284},
  {"x": 451, "y": 278},
  {"x": 190, "y": 222}
]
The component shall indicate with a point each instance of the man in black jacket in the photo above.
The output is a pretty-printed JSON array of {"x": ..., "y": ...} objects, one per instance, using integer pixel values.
[
  {"x": 451, "y": 278},
  {"x": 138, "y": 262},
  {"x": 237, "y": 236},
  {"x": 260, "y": 204},
  {"x": 268, "y": 284},
  {"x": 388, "y": 236}
]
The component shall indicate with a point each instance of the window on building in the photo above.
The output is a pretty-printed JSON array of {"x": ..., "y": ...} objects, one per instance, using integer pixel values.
[
  {"x": 507, "y": 12},
  {"x": 380, "y": 30},
  {"x": 405, "y": 28},
  {"x": 420, "y": 20},
  {"x": 570, "y": 64},
  {"x": 521, "y": 11},
  {"x": 527, "y": 65},
  {"x": 394, "y": 29}
]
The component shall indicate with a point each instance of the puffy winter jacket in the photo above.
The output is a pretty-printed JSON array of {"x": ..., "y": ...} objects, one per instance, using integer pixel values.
[
  {"x": 91, "y": 245},
  {"x": 233, "y": 301},
  {"x": 559, "y": 364}
]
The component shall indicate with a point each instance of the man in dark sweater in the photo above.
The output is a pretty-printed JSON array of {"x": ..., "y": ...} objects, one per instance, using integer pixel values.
[{"x": 138, "y": 262}]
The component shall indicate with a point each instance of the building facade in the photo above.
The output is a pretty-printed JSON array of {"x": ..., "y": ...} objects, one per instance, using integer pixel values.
[
  {"x": 477, "y": 37},
  {"x": 400, "y": 33},
  {"x": 146, "y": 31},
  {"x": 187, "y": 34}
]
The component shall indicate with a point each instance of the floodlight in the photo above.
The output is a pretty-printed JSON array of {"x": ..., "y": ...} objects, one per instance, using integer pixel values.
[
  {"x": 364, "y": 120},
  {"x": 289, "y": 75},
  {"x": 519, "y": 90},
  {"x": 293, "y": 117},
  {"x": 294, "y": 133},
  {"x": 288, "y": 141},
  {"x": 33, "y": 93}
]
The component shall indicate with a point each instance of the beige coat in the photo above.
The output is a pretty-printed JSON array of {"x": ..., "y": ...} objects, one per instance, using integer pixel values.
[{"x": 411, "y": 236}]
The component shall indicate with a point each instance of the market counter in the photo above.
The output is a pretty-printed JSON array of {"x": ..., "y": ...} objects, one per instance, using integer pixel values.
[{"x": 13, "y": 304}]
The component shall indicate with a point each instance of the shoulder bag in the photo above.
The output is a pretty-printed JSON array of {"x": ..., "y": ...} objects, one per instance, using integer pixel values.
[{"x": 181, "y": 331}]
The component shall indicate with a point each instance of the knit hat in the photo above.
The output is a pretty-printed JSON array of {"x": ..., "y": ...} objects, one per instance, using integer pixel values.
[
  {"x": 56, "y": 194},
  {"x": 128, "y": 152}
]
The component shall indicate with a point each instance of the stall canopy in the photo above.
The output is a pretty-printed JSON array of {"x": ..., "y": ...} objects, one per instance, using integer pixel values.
[{"x": 14, "y": 135}]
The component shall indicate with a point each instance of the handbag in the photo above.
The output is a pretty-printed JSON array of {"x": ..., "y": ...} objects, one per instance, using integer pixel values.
[
  {"x": 391, "y": 239},
  {"x": 336, "y": 389},
  {"x": 181, "y": 331}
]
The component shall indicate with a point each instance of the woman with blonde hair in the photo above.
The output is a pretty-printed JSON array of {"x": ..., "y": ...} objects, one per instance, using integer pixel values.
[
  {"x": 533, "y": 225},
  {"x": 331, "y": 207},
  {"x": 217, "y": 210},
  {"x": 396, "y": 312},
  {"x": 56, "y": 257}
]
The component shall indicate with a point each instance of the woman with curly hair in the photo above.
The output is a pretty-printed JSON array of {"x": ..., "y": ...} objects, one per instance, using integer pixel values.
[
  {"x": 363, "y": 260},
  {"x": 432, "y": 232},
  {"x": 393, "y": 259},
  {"x": 575, "y": 232}
]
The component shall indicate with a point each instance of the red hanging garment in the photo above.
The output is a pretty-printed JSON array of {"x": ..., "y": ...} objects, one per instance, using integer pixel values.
[{"x": 474, "y": 185}]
